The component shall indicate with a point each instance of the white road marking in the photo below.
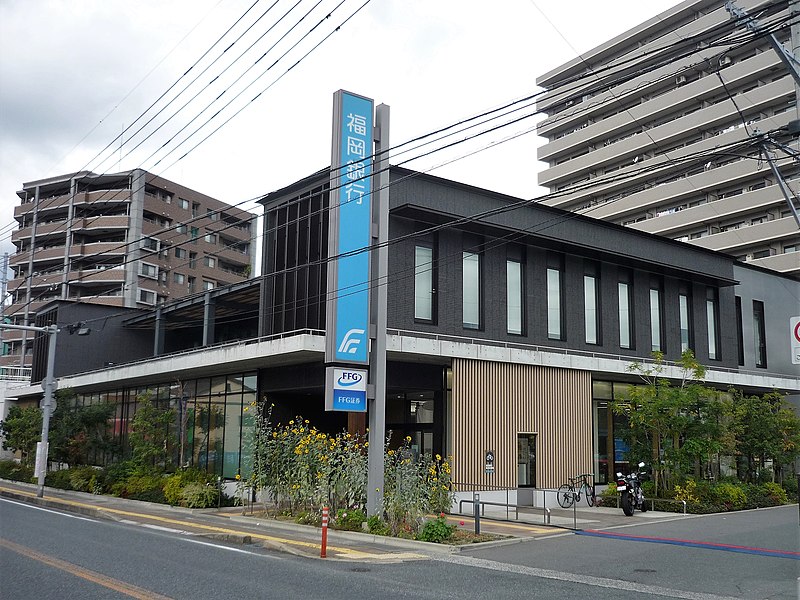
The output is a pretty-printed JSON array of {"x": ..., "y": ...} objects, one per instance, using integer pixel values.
[
  {"x": 239, "y": 550},
  {"x": 55, "y": 512},
  {"x": 615, "y": 584}
]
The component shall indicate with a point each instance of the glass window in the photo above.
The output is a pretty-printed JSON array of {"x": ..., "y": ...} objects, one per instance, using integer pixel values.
[
  {"x": 590, "y": 312},
  {"x": 210, "y": 261},
  {"x": 760, "y": 332},
  {"x": 180, "y": 253},
  {"x": 471, "y": 269},
  {"x": 423, "y": 283},
  {"x": 655, "y": 319},
  {"x": 179, "y": 277},
  {"x": 624, "y": 315},
  {"x": 181, "y": 228},
  {"x": 211, "y": 238},
  {"x": 184, "y": 204},
  {"x": 554, "y": 304},
  {"x": 514, "y": 295},
  {"x": 711, "y": 323},
  {"x": 684, "y": 309},
  {"x": 148, "y": 270}
]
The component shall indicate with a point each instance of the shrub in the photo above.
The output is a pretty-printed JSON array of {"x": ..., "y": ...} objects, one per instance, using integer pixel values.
[
  {"x": 148, "y": 488},
  {"x": 349, "y": 519},
  {"x": 199, "y": 495},
  {"x": 117, "y": 473},
  {"x": 765, "y": 494},
  {"x": 729, "y": 496},
  {"x": 436, "y": 530},
  {"x": 377, "y": 526},
  {"x": 790, "y": 485},
  {"x": 175, "y": 483},
  {"x": 11, "y": 469},
  {"x": 308, "y": 518},
  {"x": 85, "y": 479},
  {"x": 776, "y": 494},
  {"x": 58, "y": 479}
]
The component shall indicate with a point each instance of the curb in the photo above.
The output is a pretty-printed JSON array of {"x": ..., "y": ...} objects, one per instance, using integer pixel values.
[{"x": 304, "y": 531}]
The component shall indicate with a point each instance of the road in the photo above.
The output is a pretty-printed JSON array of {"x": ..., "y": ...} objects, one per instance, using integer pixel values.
[{"x": 48, "y": 554}]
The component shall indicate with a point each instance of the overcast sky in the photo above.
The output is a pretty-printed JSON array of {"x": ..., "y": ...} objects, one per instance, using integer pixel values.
[{"x": 75, "y": 73}]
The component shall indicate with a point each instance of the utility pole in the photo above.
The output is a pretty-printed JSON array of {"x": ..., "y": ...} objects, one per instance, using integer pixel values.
[{"x": 48, "y": 401}]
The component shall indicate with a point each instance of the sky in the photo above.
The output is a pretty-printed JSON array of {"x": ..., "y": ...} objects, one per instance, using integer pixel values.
[{"x": 75, "y": 73}]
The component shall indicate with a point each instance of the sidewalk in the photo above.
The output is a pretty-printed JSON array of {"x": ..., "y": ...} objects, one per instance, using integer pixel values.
[{"x": 230, "y": 526}]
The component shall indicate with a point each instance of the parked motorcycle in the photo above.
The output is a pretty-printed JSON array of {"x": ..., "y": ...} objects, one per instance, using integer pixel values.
[{"x": 630, "y": 490}]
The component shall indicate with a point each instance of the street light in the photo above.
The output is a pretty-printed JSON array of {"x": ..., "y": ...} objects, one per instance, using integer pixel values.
[{"x": 48, "y": 403}]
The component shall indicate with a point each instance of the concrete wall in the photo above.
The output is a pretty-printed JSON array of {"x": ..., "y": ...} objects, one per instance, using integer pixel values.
[{"x": 781, "y": 297}]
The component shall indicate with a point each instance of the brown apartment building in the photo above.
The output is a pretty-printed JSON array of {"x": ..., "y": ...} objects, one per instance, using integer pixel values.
[{"x": 129, "y": 239}]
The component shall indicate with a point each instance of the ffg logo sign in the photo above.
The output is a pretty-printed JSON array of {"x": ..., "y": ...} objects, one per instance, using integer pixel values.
[{"x": 349, "y": 389}]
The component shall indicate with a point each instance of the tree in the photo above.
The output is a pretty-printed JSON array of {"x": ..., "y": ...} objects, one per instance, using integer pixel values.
[
  {"x": 764, "y": 428},
  {"x": 78, "y": 433},
  {"x": 150, "y": 437},
  {"x": 675, "y": 428},
  {"x": 22, "y": 429}
]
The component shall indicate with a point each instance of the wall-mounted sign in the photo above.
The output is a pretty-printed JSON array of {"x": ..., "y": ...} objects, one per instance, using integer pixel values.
[
  {"x": 489, "y": 462},
  {"x": 349, "y": 233},
  {"x": 346, "y": 389},
  {"x": 794, "y": 332}
]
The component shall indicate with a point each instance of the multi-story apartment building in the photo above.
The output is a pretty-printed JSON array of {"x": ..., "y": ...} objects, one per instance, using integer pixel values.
[
  {"x": 658, "y": 129},
  {"x": 129, "y": 239}
]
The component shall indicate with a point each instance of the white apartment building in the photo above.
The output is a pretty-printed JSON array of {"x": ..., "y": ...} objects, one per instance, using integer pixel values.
[{"x": 657, "y": 129}]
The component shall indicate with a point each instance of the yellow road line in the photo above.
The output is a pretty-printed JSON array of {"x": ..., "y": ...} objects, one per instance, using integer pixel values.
[
  {"x": 210, "y": 528},
  {"x": 109, "y": 582}
]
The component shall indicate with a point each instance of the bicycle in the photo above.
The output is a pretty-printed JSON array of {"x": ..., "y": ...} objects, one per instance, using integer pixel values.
[{"x": 571, "y": 492}]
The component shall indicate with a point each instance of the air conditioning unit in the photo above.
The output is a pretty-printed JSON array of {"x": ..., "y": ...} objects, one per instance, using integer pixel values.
[{"x": 680, "y": 80}]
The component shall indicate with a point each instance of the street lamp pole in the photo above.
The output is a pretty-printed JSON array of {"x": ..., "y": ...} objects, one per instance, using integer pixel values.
[{"x": 49, "y": 388}]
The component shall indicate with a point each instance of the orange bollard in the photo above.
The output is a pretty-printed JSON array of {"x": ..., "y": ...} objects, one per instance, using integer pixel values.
[{"x": 324, "y": 549}]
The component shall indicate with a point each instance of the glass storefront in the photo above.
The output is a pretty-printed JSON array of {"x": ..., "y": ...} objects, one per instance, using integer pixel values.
[{"x": 210, "y": 420}]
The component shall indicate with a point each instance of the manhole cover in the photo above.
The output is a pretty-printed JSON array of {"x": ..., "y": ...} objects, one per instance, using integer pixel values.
[
  {"x": 644, "y": 570},
  {"x": 360, "y": 570}
]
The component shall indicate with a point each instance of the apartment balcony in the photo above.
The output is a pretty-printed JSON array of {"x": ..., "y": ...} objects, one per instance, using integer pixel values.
[
  {"x": 18, "y": 308},
  {"x": 38, "y": 282},
  {"x": 627, "y": 184},
  {"x": 675, "y": 98},
  {"x": 787, "y": 263},
  {"x": 118, "y": 300},
  {"x": 112, "y": 275},
  {"x": 103, "y": 197},
  {"x": 11, "y": 362},
  {"x": 55, "y": 229},
  {"x": 659, "y": 139},
  {"x": 233, "y": 256},
  {"x": 727, "y": 241},
  {"x": 13, "y": 335},
  {"x": 755, "y": 202},
  {"x": 101, "y": 223},
  {"x": 105, "y": 248}
]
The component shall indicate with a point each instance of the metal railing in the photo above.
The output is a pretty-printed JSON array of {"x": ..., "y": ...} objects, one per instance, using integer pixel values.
[{"x": 15, "y": 373}]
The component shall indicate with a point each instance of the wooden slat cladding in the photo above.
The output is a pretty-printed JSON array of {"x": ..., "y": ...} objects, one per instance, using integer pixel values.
[{"x": 493, "y": 402}]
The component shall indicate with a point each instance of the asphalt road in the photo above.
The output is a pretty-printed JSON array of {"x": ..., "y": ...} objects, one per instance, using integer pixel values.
[{"x": 48, "y": 554}]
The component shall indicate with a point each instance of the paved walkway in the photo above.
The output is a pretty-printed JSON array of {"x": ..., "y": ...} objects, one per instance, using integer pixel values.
[{"x": 231, "y": 526}]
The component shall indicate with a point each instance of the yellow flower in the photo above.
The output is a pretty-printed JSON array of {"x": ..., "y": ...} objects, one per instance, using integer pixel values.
[
  {"x": 408, "y": 438},
  {"x": 438, "y": 457},
  {"x": 390, "y": 453},
  {"x": 238, "y": 477},
  {"x": 246, "y": 408},
  {"x": 366, "y": 444},
  {"x": 291, "y": 422},
  {"x": 306, "y": 421}
]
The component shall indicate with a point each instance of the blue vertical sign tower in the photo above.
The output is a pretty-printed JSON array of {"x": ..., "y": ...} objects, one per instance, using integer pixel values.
[{"x": 347, "y": 310}]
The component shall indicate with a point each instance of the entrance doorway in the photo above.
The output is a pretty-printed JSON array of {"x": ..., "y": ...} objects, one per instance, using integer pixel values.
[{"x": 526, "y": 460}]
